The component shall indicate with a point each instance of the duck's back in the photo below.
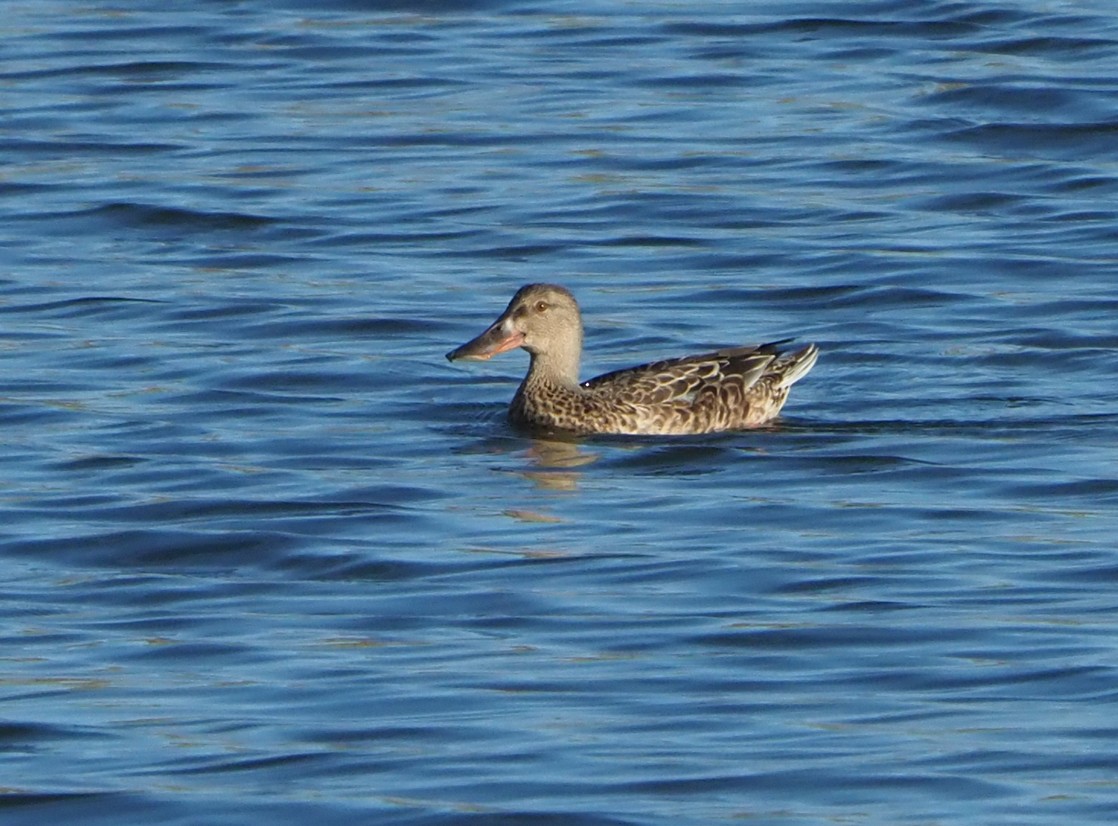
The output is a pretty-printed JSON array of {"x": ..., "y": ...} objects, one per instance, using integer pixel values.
[
  {"x": 721, "y": 390},
  {"x": 679, "y": 379}
]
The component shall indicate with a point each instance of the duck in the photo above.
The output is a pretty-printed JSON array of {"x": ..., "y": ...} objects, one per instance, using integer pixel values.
[{"x": 735, "y": 388}]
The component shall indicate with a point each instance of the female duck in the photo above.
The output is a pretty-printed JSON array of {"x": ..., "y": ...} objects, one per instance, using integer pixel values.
[{"x": 730, "y": 389}]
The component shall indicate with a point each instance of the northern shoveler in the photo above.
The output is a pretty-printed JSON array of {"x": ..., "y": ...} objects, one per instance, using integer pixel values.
[{"x": 731, "y": 389}]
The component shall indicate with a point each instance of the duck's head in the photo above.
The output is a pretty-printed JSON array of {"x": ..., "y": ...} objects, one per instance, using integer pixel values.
[{"x": 543, "y": 319}]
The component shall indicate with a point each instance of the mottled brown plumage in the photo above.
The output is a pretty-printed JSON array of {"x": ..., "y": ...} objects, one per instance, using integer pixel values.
[{"x": 730, "y": 389}]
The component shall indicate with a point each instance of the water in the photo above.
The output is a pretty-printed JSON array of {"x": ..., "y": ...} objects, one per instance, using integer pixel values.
[{"x": 267, "y": 557}]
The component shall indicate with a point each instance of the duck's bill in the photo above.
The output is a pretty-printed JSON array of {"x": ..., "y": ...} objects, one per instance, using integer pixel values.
[{"x": 493, "y": 341}]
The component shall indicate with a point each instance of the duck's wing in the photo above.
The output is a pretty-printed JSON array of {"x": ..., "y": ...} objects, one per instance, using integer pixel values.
[{"x": 680, "y": 379}]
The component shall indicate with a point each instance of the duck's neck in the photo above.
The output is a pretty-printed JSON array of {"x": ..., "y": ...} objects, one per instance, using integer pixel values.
[{"x": 557, "y": 367}]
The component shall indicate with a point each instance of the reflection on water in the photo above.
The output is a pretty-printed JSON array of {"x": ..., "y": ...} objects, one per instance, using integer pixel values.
[
  {"x": 557, "y": 458},
  {"x": 560, "y": 453}
]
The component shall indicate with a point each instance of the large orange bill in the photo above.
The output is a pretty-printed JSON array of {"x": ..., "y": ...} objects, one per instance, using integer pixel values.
[{"x": 497, "y": 339}]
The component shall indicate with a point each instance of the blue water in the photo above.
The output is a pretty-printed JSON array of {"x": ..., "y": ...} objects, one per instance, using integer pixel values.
[{"x": 268, "y": 558}]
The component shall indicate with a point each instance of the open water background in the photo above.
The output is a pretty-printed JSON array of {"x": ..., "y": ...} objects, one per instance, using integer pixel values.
[{"x": 265, "y": 557}]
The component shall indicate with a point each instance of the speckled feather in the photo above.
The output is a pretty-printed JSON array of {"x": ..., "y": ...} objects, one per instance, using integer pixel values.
[{"x": 729, "y": 389}]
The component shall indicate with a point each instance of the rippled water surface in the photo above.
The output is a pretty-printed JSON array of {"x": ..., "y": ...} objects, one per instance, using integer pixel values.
[{"x": 268, "y": 558}]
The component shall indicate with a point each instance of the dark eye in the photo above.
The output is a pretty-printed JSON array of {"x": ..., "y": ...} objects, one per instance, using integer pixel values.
[{"x": 541, "y": 306}]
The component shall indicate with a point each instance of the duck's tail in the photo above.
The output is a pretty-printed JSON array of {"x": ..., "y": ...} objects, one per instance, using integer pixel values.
[{"x": 794, "y": 366}]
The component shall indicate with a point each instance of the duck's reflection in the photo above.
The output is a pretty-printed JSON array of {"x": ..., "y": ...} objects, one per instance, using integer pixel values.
[{"x": 554, "y": 463}]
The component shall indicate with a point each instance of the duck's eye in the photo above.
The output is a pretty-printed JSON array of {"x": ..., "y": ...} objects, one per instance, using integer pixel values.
[{"x": 541, "y": 306}]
